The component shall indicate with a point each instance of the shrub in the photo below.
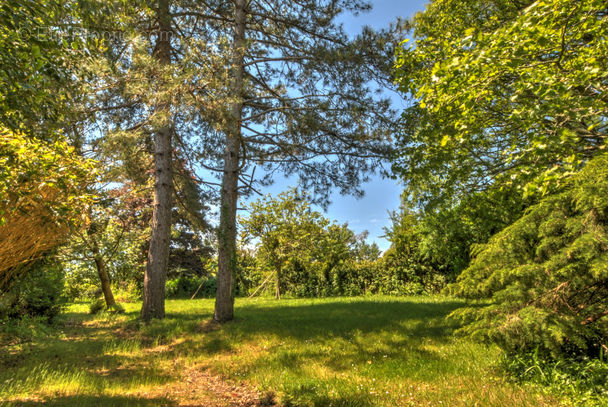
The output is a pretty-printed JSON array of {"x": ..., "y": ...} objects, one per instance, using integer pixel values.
[
  {"x": 97, "y": 305},
  {"x": 127, "y": 292},
  {"x": 208, "y": 289},
  {"x": 581, "y": 379},
  {"x": 185, "y": 287},
  {"x": 24, "y": 329},
  {"x": 38, "y": 292}
]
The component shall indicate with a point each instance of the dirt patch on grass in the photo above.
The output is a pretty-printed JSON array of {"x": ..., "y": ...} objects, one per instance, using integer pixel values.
[{"x": 198, "y": 387}]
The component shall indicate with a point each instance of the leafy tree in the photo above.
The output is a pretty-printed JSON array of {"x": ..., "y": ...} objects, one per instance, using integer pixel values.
[
  {"x": 511, "y": 94},
  {"x": 43, "y": 179},
  {"x": 306, "y": 254},
  {"x": 334, "y": 260},
  {"x": 404, "y": 269},
  {"x": 112, "y": 238},
  {"x": 36, "y": 68},
  {"x": 511, "y": 103},
  {"x": 447, "y": 233},
  {"x": 43, "y": 189},
  {"x": 543, "y": 281},
  {"x": 432, "y": 247},
  {"x": 365, "y": 251},
  {"x": 287, "y": 229},
  {"x": 98, "y": 242},
  {"x": 113, "y": 242}
]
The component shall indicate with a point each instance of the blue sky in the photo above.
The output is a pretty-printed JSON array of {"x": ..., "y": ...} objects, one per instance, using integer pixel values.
[{"x": 381, "y": 195}]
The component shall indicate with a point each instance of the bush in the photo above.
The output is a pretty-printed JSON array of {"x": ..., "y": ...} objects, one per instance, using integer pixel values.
[
  {"x": 126, "y": 292},
  {"x": 81, "y": 281},
  {"x": 24, "y": 329},
  {"x": 97, "y": 306},
  {"x": 581, "y": 379},
  {"x": 36, "y": 293},
  {"x": 185, "y": 287},
  {"x": 208, "y": 289}
]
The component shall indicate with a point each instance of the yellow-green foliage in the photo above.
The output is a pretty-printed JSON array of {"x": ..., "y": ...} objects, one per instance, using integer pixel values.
[
  {"x": 510, "y": 93},
  {"x": 546, "y": 276},
  {"x": 42, "y": 190},
  {"x": 307, "y": 255}
]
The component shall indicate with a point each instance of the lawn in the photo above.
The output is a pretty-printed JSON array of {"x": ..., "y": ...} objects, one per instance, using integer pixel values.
[{"x": 373, "y": 351}]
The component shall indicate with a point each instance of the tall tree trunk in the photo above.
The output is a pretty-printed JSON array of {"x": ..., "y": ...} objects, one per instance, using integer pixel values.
[
  {"x": 106, "y": 288},
  {"x": 158, "y": 254},
  {"x": 224, "y": 300},
  {"x": 277, "y": 293}
]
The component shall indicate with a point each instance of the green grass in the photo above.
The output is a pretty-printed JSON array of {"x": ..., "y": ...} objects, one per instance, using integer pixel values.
[{"x": 378, "y": 351}]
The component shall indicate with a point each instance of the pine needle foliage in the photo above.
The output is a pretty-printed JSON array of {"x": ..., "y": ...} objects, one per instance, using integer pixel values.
[{"x": 543, "y": 281}]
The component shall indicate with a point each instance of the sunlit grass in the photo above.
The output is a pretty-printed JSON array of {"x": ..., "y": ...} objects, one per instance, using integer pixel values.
[{"x": 378, "y": 351}]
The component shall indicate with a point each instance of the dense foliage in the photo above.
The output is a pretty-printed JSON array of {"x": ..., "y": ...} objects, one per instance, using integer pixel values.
[
  {"x": 35, "y": 66},
  {"x": 431, "y": 248},
  {"x": 546, "y": 276},
  {"x": 42, "y": 193},
  {"x": 36, "y": 293},
  {"x": 303, "y": 253},
  {"x": 510, "y": 94},
  {"x": 502, "y": 157}
]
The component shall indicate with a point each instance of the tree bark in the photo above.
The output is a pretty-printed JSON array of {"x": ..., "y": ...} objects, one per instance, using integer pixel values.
[
  {"x": 277, "y": 293},
  {"x": 227, "y": 258},
  {"x": 106, "y": 288},
  {"x": 158, "y": 254}
]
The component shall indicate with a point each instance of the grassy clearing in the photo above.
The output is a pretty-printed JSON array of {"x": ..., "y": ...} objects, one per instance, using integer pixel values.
[{"x": 379, "y": 351}]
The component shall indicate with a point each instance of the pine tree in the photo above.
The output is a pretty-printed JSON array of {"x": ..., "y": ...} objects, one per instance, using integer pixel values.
[
  {"x": 143, "y": 105},
  {"x": 543, "y": 281},
  {"x": 299, "y": 102}
]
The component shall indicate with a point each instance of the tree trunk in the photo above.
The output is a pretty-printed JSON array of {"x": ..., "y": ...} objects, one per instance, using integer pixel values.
[
  {"x": 224, "y": 300},
  {"x": 277, "y": 293},
  {"x": 106, "y": 288},
  {"x": 158, "y": 254}
]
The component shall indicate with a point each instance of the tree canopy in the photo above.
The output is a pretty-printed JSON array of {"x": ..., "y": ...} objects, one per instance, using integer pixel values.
[
  {"x": 131, "y": 131},
  {"x": 510, "y": 94}
]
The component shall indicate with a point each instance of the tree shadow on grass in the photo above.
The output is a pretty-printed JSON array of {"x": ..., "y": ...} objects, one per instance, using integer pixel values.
[
  {"x": 382, "y": 338},
  {"x": 101, "y": 400},
  {"x": 319, "y": 322},
  {"x": 343, "y": 319},
  {"x": 101, "y": 351},
  {"x": 297, "y": 320},
  {"x": 80, "y": 353},
  {"x": 376, "y": 337}
]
